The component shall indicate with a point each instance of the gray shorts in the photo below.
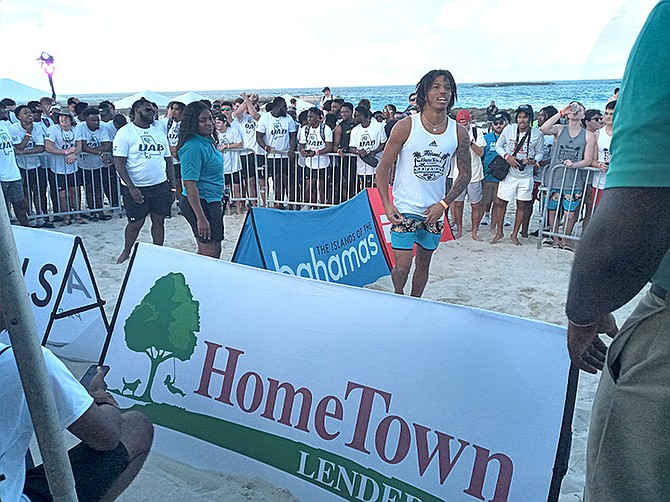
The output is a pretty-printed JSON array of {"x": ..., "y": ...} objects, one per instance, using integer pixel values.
[
  {"x": 474, "y": 191},
  {"x": 13, "y": 191}
]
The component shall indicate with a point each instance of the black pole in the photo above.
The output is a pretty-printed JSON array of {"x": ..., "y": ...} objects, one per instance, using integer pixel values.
[{"x": 51, "y": 83}]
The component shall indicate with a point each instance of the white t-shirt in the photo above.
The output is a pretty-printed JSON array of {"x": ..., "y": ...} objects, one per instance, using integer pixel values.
[
  {"x": 94, "y": 139},
  {"x": 28, "y": 160},
  {"x": 9, "y": 170},
  {"x": 72, "y": 400},
  {"x": 475, "y": 160},
  {"x": 145, "y": 151},
  {"x": 172, "y": 134},
  {"x": 534, "y": 150},
  {"x": 62, "y": 140},
  {"x": 367, "y": 138},
  {"x": 161, "y": 125},
  {"x": 276, "y": 131},
  {"x": 247, "y": 129},
  {"x": 231, "y": 159},
  {"x": 312, "y": 140},
  {"x": 604, "y": 155},
  {"x": 111, "y": 130}
]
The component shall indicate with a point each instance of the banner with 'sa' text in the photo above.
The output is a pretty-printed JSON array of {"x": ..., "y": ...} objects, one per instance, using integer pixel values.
[
  {"x": 337, "y": 244},
  {"x": 68, "y": 310},
  {"x": 335, "y": 392}
]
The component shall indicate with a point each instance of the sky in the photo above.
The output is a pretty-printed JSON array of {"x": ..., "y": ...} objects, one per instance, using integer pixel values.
[{"x": 133, "y": 45}]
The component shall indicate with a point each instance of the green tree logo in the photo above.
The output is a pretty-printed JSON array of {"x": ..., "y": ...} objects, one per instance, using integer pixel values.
[{"x": 164, "y": 324}]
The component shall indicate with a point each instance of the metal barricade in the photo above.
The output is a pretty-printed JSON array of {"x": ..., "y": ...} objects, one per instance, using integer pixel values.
[
  {"x": 567, "y": 203},
  {"x": 83, "y": 193},
  {"x": 244, "y": 186},
  {"x": 291, "y": 183}
]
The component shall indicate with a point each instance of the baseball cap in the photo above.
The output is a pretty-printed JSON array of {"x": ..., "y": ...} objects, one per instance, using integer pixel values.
[
  {"x": 527, "y": 109},
  {"x": 325, "y": 89},
  {"x": 499, "y": 116},
  {"x": 463, "y": 116}
]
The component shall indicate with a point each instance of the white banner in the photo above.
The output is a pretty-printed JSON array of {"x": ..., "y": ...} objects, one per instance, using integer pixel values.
[
  {"x": 62, "y": 292},
  {"x": 335, "y": 392}
]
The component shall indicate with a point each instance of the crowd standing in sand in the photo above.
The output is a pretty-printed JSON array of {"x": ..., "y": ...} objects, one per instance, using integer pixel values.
[{"x": 58, "y": 165}]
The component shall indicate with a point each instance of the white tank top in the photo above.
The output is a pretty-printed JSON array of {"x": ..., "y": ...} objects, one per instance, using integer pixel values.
[
  {"x": 423, "y": 166},
  {"x": 604, "y": 155}
]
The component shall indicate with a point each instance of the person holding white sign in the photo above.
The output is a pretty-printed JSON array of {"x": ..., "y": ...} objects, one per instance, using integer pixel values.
[
  {"x": 113, "y": 446},
  {"x": 628, "y": 452},
  {"x": 423, "y": 145}
]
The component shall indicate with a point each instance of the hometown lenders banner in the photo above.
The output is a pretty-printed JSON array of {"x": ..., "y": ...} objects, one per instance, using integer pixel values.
[
  {"x": 334, "y": 392},
  {"x": 338, "y": 244}
]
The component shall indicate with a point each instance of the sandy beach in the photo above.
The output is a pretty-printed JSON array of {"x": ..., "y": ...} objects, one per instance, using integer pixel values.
[{"x": 521, "y": 281}]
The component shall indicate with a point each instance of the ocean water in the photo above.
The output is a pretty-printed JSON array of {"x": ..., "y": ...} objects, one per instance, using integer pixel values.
[{"x": 592, "y": 93}]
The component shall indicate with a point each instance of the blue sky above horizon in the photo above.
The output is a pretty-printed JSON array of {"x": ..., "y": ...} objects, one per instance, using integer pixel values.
[{"x": 129, "y": 46}]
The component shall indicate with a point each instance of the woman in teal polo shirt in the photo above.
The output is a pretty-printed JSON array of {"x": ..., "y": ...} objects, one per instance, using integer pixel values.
[{"x": 202, "y": 174}]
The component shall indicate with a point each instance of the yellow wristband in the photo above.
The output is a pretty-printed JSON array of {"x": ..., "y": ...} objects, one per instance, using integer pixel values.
[{"x": 444, "y": 204}]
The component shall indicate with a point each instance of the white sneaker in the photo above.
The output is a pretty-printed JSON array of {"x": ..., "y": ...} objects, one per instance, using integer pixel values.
[
  {"x": 486, "y": 219},
  {"x": 507, "y": 223}
]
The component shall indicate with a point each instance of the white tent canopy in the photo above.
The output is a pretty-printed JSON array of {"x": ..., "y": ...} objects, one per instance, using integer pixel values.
[
  {"x": 189, "y": 97},
  {"x": 19, "y": 92},
  {"x": 300, "y": 105},
  {"x": 128, "y": 101}
]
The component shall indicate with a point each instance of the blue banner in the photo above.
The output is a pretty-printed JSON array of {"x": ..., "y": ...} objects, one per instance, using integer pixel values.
[{"x": 338, "y": 244}]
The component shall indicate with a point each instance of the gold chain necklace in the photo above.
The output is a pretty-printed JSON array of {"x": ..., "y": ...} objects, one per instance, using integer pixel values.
[{"x": 435, "y": 127}]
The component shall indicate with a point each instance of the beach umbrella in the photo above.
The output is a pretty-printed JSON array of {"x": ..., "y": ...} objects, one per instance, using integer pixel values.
[
  {"x": 128, "y": 101},
  {"x": 189, "y": 97},
  {"x": 300, "y": 105},
  {"x": 19, "y": 92}
]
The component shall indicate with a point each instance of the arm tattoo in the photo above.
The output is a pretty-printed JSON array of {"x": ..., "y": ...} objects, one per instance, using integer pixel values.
[{"x": 464, "y": 169}]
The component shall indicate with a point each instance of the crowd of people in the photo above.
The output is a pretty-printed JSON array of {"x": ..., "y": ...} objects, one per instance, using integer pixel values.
[{"x": 79, "y": 162}]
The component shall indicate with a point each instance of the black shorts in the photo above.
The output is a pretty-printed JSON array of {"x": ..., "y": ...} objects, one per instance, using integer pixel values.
[
  {"x": 65, "y": 181},
  {"x": 158, "y": 200},
  {"x": 214, "y": 214},
  {"x": 13, "y": 191},
  {"x": 94, "y": 472},
  {"x": 277, "y": 167},
  {"x": 315, "y": 174},
  {"x": 232, "y": 177},
  {"x": 248, "y": 166},
  {"x": 34, "y": 178}
]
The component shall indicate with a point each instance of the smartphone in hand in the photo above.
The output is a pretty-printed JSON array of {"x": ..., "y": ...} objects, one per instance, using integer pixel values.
[{"x": 90, "y": 373}]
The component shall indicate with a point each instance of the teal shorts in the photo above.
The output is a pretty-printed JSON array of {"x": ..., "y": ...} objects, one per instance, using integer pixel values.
[
  {"x": 413, "y": 229},
  {"x": 571, "y": 200}
]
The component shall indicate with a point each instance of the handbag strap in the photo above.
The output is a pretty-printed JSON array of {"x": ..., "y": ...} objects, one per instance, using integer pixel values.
[{"x": 526, "y": 137}]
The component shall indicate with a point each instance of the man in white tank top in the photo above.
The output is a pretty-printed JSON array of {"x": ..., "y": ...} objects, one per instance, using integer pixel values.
[
  {"x": 423, "y": 145},
  {"x": 603, "y": 157}
]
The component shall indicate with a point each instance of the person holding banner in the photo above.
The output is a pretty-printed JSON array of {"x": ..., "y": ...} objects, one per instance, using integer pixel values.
[
  {"x": 423, "y": 145},
  {"x": 628, "y": 452},
  {"x": 113, "y": 446},
  {"x": 202, "y": 175}
]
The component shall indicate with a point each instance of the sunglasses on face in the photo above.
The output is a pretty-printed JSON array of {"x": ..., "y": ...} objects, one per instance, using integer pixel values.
[
  {"x": 226, "y": 109},
  {"x": 499, "y": 122},
  {"x": 216, "y": 106}
]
